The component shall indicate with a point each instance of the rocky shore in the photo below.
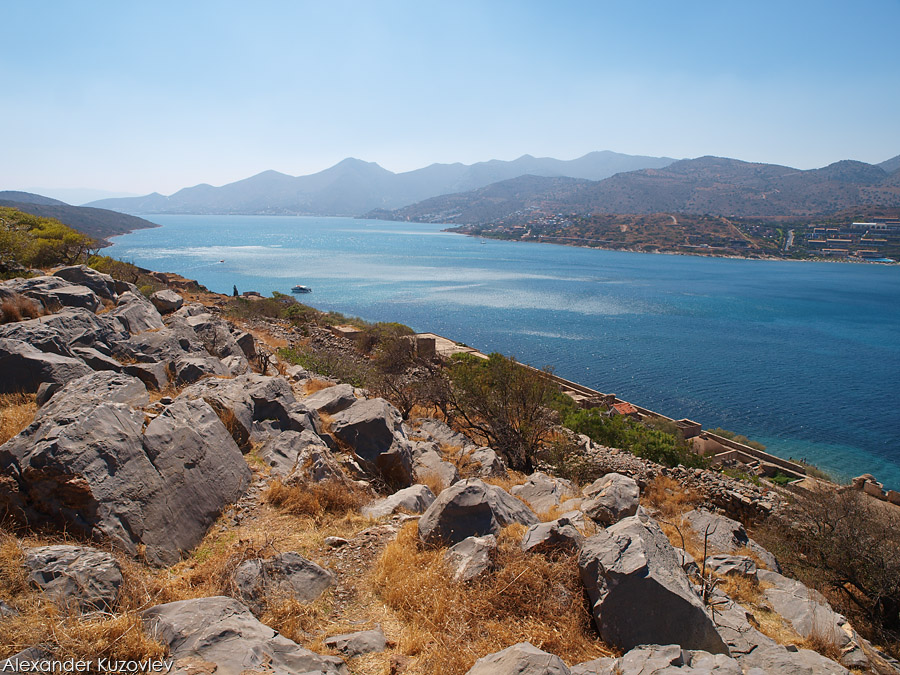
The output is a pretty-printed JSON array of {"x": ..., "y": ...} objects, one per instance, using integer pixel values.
[{"x": 157, "y": 445}]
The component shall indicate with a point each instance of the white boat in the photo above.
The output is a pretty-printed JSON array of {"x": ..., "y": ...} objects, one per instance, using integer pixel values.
[{"x": 301, "y": 289}]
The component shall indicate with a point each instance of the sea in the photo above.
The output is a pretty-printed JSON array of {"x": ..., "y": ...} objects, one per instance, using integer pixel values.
[{"x": 803, "y": 357}]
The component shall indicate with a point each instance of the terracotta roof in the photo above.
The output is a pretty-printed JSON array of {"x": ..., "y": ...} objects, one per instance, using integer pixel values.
[{"x": 625, "y": 408}]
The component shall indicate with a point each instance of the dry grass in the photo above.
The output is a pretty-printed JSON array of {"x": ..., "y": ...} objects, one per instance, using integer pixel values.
[
  {"x": 332, "y": 497},
  {"x": 447, "y": 625},
  {"x": 431, "y": 480},
  {"x": 509, "y": 481},
  {"x": 669, "y": 498},
  {"x": 16, "y": 412},
  {"x": 314, "y": 384},
  {"x": 65, "y": 634},
  {"x": 18, "y": 308},
  {"x": 743, "y": 590}
]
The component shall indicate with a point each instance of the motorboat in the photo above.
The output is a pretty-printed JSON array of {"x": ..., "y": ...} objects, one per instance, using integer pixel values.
[{"x": 301, "y": 289}]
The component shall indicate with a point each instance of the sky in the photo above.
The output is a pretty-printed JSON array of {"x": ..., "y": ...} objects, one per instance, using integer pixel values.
[{"x": 138, "y": 97}]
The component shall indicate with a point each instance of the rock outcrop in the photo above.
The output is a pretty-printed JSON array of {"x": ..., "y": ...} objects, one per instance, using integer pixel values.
[
  {"x": 75, "y": 576},
  {"x": 521, "y": 659},
  {"x": 471, "y": 508},
  {"x": 287, "y": 574},
  {"x": 639, "y": 593},
  {"x": 225, "y": 633}
]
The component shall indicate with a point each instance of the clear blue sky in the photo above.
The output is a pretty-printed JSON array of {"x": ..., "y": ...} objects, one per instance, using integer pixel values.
[{"x": 142, "y": 96}]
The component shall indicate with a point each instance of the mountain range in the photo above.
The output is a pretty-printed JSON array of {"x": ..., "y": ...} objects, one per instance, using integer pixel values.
[
  {"x": 94, "y": 222},
  {"x": 706, "y": 185},
  {"x": 353, "y": 187}
]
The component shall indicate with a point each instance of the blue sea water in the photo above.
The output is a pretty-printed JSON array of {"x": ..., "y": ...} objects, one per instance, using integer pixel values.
[{"x": 803, "y": 357}]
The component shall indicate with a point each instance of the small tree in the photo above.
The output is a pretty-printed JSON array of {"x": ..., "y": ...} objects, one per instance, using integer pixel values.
[{"x": 506, "y": 402}]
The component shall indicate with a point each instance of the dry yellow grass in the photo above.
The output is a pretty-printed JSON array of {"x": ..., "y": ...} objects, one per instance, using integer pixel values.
[
  {"x": 432, "y": 481},
  {"x": 313, "y": 385},
  {"x": 509, "y": 481},
  {"x": 66, "y": 634},
  {"x": 448, "y": 625},
  {"x": 317, "y": 499},
  {"x": 669, "y": 497},
  {"x": 16, "y": 412}
]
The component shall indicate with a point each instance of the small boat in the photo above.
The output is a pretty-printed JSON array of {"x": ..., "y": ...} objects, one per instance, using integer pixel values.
[{"x": 301, "y": 289}]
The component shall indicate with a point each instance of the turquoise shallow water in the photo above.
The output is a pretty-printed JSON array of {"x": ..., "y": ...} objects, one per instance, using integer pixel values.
[{"x": 803, "y": 357}]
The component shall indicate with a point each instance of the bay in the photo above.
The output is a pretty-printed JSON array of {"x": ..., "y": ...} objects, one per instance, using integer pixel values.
[{"x": 803, "y": 357}]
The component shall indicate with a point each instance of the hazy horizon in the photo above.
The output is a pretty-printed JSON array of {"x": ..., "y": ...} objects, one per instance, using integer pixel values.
[{"x": 139, "y": 98}]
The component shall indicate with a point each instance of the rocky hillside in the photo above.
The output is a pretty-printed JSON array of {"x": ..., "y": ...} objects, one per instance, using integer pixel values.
[
  {"x": 172, "y": 492},
  {"x": 97, "y": 223},
  {"x": 702, "y": 186}
]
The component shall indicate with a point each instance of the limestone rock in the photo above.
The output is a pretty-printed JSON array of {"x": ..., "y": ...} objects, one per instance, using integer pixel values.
[
  {"x": 373, "y": 428},
  {"x": 82, "y": 275},
  {"x": 251, "y": 398},
  {"x": 355, "y": 644},
  {"x": 331, "y": 400},
  {"x": 521, "y": 659},
  {"x": 557, "y": 535},
  {"x": 25, "y": 368},
  {"x": 75, "y": 575},
  {"x": 611, "y": 498},
  {"x": 543, "y": 492},
  {"x": 190, "y": 369},
  {"x": 428, "y": 462},
  {"x": 487, "y": 461},
  {"x": 58, "y": 333},
  {"x": 55, "y": 293},
  {"x": 471, "y": 508},
  {"x": 650, "y": 659},
  {"x": 726, "y": 535},
  {"x": 136, "y": 313},
  {"x": 166, "y": 301},
  {"x": 737, "y": 565},
  {"x": 302, "y": 455},
  {"x": 224, "y": 632},
  {"x": 90, "y": 466},
  {"x": 807, "y": 610},
  {"x": 288, "y": 574},
  {"x": 638, "y": 591},
  {"x": 470, "y": 557},
  {"x": 414, "y": 499},
  {"x": 790, "y": 661}
]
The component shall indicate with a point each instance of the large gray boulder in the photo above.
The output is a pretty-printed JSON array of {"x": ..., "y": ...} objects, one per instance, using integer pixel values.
[
  {"x": 136, "y": 313},
  {"x": 75, "y": 576},
  {"x": 414, "y": 499},
  {"x": 24, "y": 368},
  {"x": 84, "y": 392},
  {"x": 82, "y": 275},
  {"x": 356, "y": 644},
  {"x": 543, "y": 492},
  {"x": 55, "y": 293},
  {"x": 96, "y": 359},
  {"x": 521, "y": 659},
  {"x": 296, "y": 452},
  {"x": 726, "y": 535},
  {"x": 253, "y": 398},
  {"x": 165, "y": 346},
  {"x": 287, "y": 574},
  {"x": 611, "y": 498},
  {"x": 59, "y": 332},
  {"x": 428, "y": 463},
  {"x": 471, "y": 508},
  {"x": 431, "y": 429},
  {"x": 190, "y": 369},
  {"x": 557, "y": 535},
  {"x": 166, "y": 301},
  {"x": 778, "y": 660},
  {"x": 216, "y": 336},
  {"x": 653, "y": 659},
  {"x": 224, "y": 632},
  {"x": 331, "y": 400},
  {"x": 639, "y": 593},
  {"x": 486, "y": 461},
  {"x": 97, "y": 469},
  {"x": 806, "y": 609},
  {"x": 373, "y": 429},
  {"x": 735, "y": 565},
  {"x": 470, "y": 557}
]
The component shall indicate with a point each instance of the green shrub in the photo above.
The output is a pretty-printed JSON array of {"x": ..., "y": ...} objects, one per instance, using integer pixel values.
[{"x": 625, "y": 433}]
